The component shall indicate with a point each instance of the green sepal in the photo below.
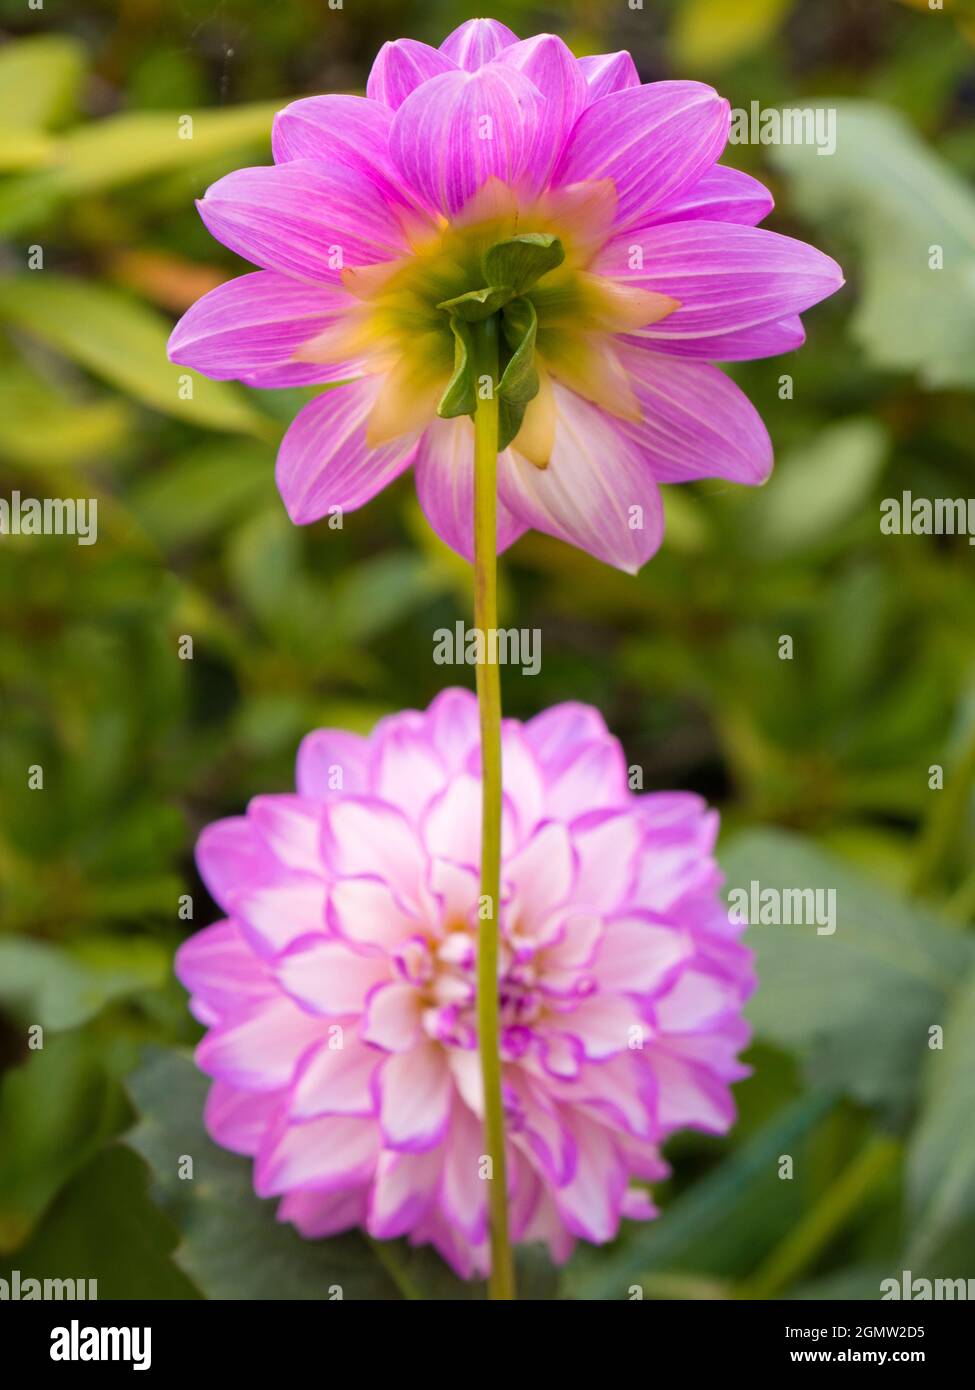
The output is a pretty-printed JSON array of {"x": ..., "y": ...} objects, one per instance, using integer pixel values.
[
  {"x": 522, "y": 260},
  {"x": 460, "y": 397},
  {"x": 519, "y": 382},
  {"x": 478, "y": 305}
]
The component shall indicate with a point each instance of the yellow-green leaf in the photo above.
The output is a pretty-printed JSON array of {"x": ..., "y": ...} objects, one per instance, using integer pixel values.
[
  {"x": 124, "y": 343},
  {"x": 712, "y": 33}
]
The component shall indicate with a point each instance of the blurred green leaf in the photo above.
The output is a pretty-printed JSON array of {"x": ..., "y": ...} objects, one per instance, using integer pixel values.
[
  {"x": 130, "y": 147},
  {"x": 205, "y": 491},
  {"x": 941, "y": 1158},
  {"x": 39, "y": 80},
  {"x": 232, "y": 1246},
  {"x": 42, "y": 427},
  {"x": 898, "y": 200},
  {"x": 856, "y": 1004},
  {"x": 124, "y": 342},
  {"x": 102, "y": 1226},
  {"x": 723, "y": 1225},
  {"x": 61, "y": 987},
  {"x": 61, "y": 1107},
  {"x": 818, "y": 487}
]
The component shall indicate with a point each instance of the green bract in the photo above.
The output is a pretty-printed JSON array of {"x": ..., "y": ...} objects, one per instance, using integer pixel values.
[{"x": 510, "y": 268}]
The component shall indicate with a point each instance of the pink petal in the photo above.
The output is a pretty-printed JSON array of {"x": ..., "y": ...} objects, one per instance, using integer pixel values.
[
  {"x": 740, "y": 345},
  {"x": 334, "y": 1081},
  {"x": 341, "y": 129},
  {"x": 230, "y": 855},
  {"x": 239, "y": 1119},
  {"x": 592, "y": 777},
  {"x": 476, "y": 42},
  {"x": 254, "y": 322},
  {"x": 327, "y": 1155},
  {"x": 551, "y": 66},
  {"x": 597, "y": 492},
  {"x": 319, "y": 1214},
  {"x": 453, "y": 722},
  {"x": 218, "y": 967},
  {"x": 415, "y": 1089},
  {"x": 330, "y": 762},
  {"x": 326, "y": 977},
  {"x": 653, "y": 142},
  {"x": 697, "y": 1002},
  {"x": 303, "y": 218},
  {"x": 559, "y": 731},
  {"x": 696, "y": 422},
  {"x": 460, "y": 129},
  {"x": 720, "y": 195},
  {"x": 444, "y": 471},
  {"x": 325, "y": 462},
  {"x": 402, "y": 66},
  {"x": 290, "y": 826},
  {"x": 724, "y": 277},
  {"x": 259, "y": 1052},
  {"x": 606, "y": 73}
]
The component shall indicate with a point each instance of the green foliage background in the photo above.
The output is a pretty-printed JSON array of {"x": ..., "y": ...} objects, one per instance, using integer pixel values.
[{"x": 820, "y": 764}]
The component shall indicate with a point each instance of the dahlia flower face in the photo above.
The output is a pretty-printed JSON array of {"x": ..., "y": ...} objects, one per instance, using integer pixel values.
[
  {"x": 339, "y": 992},
  {"x": 498, "y": 177}
]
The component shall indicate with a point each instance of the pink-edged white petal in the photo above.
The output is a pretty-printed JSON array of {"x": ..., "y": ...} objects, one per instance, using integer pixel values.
[
  {"x": 592, "y": 778},
  {"x": 404, "y": 1186},
  {"x": 327, "y": 977},
  {"x": 365, "y": 912},
  {"x": 597, "y": 492},
  {"x": 399, "y": 68},
  {"x": 239, "y": 1119},
  {"x": 325, "y": 461},
  {"x": 696, "y": 422},
  {"x": 654, "y": 142},
  {"x": 363, "y": 836},
  {"x": 638, "y": 956},
  {"x": 230, "y": 855},
  {"x": 305, "y": 219},
  {"x": 217, "y": 966},
  {"x": 274, "y": 915},
  {"x": 334, "y": 1080},
  {"x": 605, "y": 1024},
  {"x": 393, "y": 1017},
  {"x": 476, "y": 42},
  {"x": 327, "y": 1155},
  {"x": 462, "y": 128},
  {"x": 540, "y": 876},
  {"x": 463, "y": 1191},
  {"x": 319, "y": 1214},
  {"x": 444, "y": 470},
  {"x": 589, "y": 1204},
  {"x": 260, "y": 1051},
  {"x": 290, "y": 827},
  {"x": 606, "y": 73},
  {"x": 608, "y": 853},
  {"x": 331, "y": 762},
  {"x": 415, "y": 1090}
]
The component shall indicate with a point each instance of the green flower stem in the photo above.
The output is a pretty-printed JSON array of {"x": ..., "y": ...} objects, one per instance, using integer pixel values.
[{"x": 502, "y": 1285}]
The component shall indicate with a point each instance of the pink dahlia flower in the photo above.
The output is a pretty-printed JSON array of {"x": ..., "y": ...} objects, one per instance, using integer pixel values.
[
  {"x": 378, "y": 212},
  {"x": 338, "y": 994}
]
